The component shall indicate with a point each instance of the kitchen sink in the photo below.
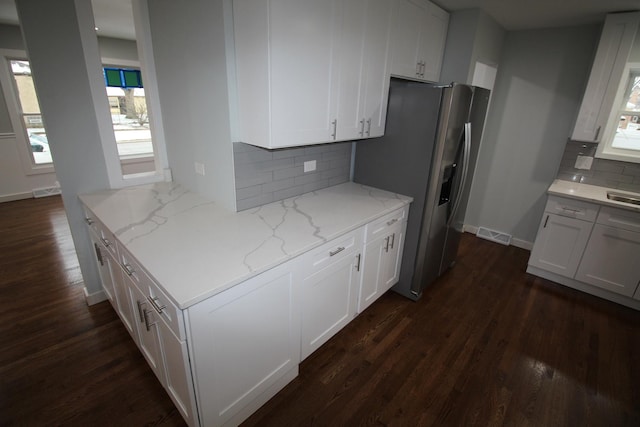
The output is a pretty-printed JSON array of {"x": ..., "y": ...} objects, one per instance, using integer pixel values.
[{"x": 624, "y": 198}]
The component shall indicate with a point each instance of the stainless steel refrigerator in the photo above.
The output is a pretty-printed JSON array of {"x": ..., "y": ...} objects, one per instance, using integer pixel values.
[{"x": 428, "y": 152}]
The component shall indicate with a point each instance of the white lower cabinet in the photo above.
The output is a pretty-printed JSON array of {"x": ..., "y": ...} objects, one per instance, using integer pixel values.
[
  {"x": 329, "y": 291},
  {"x": 105, "y": 263},
  {"x": 244, "y": 345},
  {"x": 612, "y": 256},
  {"x": 148, "y": 335},
  {"x": 221, "y": 359},
  {"x": 599, "y": 250},
  {"x": 560, "y": 243},
  {"x": 381, "y": 257}
]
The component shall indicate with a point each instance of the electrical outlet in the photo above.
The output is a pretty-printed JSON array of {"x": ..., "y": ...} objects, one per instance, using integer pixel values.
[
  {"x": 310, "y": 166},
  {"x": 199, "y": 168},
  {"x": 584, "y": 162}
]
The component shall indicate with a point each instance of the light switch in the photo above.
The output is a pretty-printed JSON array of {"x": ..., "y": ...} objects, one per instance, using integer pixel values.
[{"x": 310, "y": 166}]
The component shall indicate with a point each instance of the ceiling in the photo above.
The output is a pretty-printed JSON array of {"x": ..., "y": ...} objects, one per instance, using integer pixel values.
[{"x": 114, "y": 17}]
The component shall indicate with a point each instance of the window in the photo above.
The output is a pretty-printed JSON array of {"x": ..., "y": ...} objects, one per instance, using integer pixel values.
[
  {"x": 29, "y": 110},
  {"x": 128, "y": 106},
  {"x": 622, "y": 138},
  {"x": 627, "y": 134}
]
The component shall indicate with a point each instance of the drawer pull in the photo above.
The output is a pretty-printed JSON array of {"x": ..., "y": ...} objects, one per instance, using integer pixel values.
[
  {"x": 156, "y": 306},
  {"x": 128, "y": 269},
  {"x": 393, "y": 221},
  {"x": 89, "y": 221},
  {"x": 105, "y": 242},
  {"x": 337, "y": 251},
  {"x": 573, "y": 211}
]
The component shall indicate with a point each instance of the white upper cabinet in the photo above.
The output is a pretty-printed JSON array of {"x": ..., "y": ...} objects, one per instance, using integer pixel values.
[
  {"x": 611, "y": 57},
  {"x": 310, "y": 72},
  {"x": 419, "y": 36}
]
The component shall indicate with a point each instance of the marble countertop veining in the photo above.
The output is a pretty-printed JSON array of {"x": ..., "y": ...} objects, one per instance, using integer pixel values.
[
  {"x": 591, "y": 193},
  {"x": 193, "y": 248}
]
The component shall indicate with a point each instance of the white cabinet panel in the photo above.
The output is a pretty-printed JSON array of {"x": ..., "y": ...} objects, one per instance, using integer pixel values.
[
  {"x": 611, "y": 57},
  {"x": 419, "y": 38},
  {"x": 147, "y": 326},
  {"x": 611, "y": 260},
  {"x": 329, "y": 293},
  {"x": 560, "y": 244},
  {"x": 311, "y": 72},
  {"x": 244, "y": 340},
  {"x": 105, "y": 264},
  {"x": 381, "y": 261}
]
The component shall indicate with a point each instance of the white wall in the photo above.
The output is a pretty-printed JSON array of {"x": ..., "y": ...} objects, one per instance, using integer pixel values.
[
  {"x": 541, "y": 78},
  {"x": 189, "y": 49}
]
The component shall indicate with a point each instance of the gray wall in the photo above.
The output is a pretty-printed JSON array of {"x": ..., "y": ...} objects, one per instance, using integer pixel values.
[
  {"x": 68, "y": 106},
  {"x": 264, "y": 176},
  {"x": 538, "y": 90},
  {"x": 473, "y": 36},
  {"x": 191, "y": 69}
]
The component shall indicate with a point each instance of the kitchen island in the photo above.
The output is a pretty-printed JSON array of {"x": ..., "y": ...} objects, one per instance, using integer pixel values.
[{"x": 224, "y": 305}]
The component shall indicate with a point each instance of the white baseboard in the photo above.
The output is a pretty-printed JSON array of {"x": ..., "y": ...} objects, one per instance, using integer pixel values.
[
  {"x": 16, "y": 196},
  {"x": 95, "y": 297},
  {"x": 518, "y": 243}
]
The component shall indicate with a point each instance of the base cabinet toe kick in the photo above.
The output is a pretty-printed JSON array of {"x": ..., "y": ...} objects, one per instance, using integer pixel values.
[
  {"x": 590, "y": 247},
  {"x": 222, "y": 358}
]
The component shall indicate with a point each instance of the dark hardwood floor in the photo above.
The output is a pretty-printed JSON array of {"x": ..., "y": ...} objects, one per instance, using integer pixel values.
[{"x": 488, "y": 344}]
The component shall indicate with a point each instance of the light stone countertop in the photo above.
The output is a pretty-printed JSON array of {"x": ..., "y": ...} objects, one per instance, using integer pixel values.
[
  {"x": 193, "y": 248},
  {"x": 591, "y": 193}
]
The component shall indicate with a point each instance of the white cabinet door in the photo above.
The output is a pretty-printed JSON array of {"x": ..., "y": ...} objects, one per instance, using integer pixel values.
[
  {"x": 148, "y": 334},
  {"x": 125, "y": 309},
  {"x": 559, "y": 244},
  {"x": 244, "y": 345},
  {"x": 328, "y": 301},
  {"x": 286, "y": 71},
  {"x": 611, "y": 260},
  {"x": 104, "y": 262},
  {"x": 364, "y": 68},
  {"x": 178, "y": 380},
  {"x": 612, "y": 55},
  {"x": 394, "y": 255},
  {"x": 432, "y": 42},
  {"x": 419, "y": 38}
]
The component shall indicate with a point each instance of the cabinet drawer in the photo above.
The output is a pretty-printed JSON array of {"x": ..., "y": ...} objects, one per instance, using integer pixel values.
[
  {"x": 572, "y": 208},
  {"x": 381, "y": 226},
  {"x": 333, "y": 251},
  {"x": 166, "y": 309},
  {"x": 104, "y": 235},
  {"x": 619, "y": 218}
]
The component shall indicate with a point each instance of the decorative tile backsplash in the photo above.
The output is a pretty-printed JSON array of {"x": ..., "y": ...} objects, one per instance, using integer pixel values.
[
  {"x": 265, "y": 176},
  {"x": 605, "y": 173}
]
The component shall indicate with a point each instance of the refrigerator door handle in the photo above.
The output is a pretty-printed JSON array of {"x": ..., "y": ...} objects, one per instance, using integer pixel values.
[{"x": 465, "y": 170}]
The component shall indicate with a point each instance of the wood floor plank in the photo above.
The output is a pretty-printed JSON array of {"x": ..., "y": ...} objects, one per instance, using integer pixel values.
[{"x": 487, "y": 345}]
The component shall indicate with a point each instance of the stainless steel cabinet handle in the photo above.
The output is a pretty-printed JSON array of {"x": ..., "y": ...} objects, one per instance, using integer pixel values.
[
  {"x": 146, "y": 320},
  {"x": 337, "y": 251},
  {"x": 128, "y": 269},
  {"x": 98, "y": 253},
  {"x": 156, "y": 306},
  {"x": 140, "y": 310},
  {"x": 89, "y": 221},
  {"x": 368, "y": 127},
  {"x": 358, "y": 258},
  {"x": 573, "y": 211},
  {"x": 105, "y": 242},
  {"x": 386, "y": 246},
  {"x": 334, "y": 123},
  {"x": 418, "y": 66},
  {"x": 545, "y": 222},
  {"x": 393, "y": 221},
  {"x": 595, "y": 138},
  {"x": 362, "y": 127},
  {"x": 393, "y": 239}
]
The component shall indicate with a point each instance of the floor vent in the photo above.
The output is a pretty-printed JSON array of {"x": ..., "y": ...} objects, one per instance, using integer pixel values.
[
  {"x": 494, "y": 236},
  {"x": 44, "y": 192}
]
